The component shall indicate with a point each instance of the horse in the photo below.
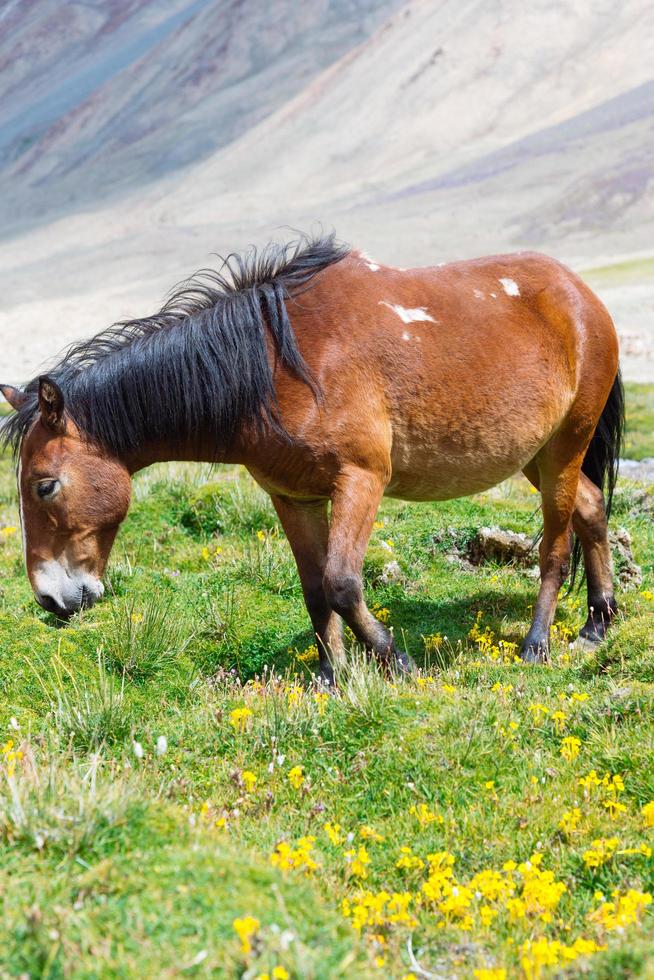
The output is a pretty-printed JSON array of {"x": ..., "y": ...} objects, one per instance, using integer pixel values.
[{"x": 335, "y": 380}]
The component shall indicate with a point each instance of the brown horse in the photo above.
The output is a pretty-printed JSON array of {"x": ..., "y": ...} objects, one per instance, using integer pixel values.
[{"x": 335, "y": 380}]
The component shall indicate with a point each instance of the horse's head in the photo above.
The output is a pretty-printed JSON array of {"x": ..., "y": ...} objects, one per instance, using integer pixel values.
[{"x": 72, "y": 499}]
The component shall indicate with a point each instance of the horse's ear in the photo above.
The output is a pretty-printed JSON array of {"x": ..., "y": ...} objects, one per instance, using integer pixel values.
[
  {"x": 51, "y": 404},
  {"x": 14, "y": 396}
]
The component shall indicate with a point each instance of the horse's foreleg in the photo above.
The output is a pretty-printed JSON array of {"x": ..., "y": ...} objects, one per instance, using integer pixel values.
[
  {"x": 306, "y": 526},
  {"x": 589, "y": 522},
  {"x": 558, "y": 490},
  {"x": 354, "y": 506}
]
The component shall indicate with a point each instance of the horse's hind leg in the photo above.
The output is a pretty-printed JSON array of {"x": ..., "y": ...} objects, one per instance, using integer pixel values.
[
  {"x": 354, "y": 506},
  {"x": 558, "y": 487},
  {"x": 306, "y": 526},
  {"x": 589, "y": 522}
]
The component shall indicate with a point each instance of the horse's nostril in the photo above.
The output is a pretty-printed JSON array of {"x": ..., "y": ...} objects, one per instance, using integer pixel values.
[
  {"x": 48, "y": 603},
  {"x": 87, "y": 598}
]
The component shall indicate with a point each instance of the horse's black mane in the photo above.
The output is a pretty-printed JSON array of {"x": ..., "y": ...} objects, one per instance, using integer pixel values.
[{"x": 199, "y": 366}]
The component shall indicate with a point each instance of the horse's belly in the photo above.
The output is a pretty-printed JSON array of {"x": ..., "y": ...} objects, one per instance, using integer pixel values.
[{"x": 428, "y": 473}]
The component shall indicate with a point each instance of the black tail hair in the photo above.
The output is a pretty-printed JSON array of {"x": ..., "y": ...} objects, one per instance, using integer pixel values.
[{"x": 602, "y": 458}]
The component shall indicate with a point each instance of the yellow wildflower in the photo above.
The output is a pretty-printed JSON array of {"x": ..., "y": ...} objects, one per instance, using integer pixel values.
[
  {"x": 368, "y": 833},
  {"x": 569, "y": 821},
  {"x": 246, "y": 928},
  {"x": 569, "y": 748},
  {"x": 249, "y": 780},
  {"x": 333, "y": 831},
  {"x": 559, "y": 719},
  {"x": 600, "y": 852},
  {"x": 299, "y": 857},
  {"x": 424, "y": 815},
  {"x": 296, "y": 777},
  {"x": 432, "y": 643},
  {"x": 322, "y": 700},
  {"x": 238, "y": 718},
  {"x": 308, "y": 656},
  {"x": 647, "y": 813},
  {"x": 358, "y": 861},
  {"x": 7, "y": 532},
  {"x": 408, "y": 861},
  {"x": 12, "y": 756},
  {"x": 279, "y": 973},
  {"x": 538, "y": 710},
  {"x": 623, "y": 911},
  {"x": 614, "y": 807},
  {"x": 490, "y": 973}
]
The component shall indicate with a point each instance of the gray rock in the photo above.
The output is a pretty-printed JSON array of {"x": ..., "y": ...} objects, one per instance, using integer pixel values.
[{"x": 504, "y": 547}]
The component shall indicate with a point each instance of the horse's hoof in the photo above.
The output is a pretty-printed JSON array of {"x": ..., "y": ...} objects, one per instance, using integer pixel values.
[
  {"x": 587, "y": 643},
  {"x": 325, "y": 680},
  {"x": 535, "y": 653},
  {"x": 404, "y": 664}
]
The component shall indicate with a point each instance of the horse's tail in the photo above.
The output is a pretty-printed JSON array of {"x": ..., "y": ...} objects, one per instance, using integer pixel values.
[{"x": 602, "y": 457}]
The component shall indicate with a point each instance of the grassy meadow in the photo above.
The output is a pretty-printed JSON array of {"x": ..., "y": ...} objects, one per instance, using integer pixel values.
[{"x": 177, "y": 799}]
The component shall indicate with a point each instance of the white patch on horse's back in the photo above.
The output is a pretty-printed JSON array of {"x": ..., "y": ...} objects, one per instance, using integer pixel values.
[
  {"x": 408, "y": 315},
  {"x": 479, "y": 293},
  {"x": 510, "y": 287},
  {"x": 372, "y": 265},
  {"x": 22, "y": 512}
]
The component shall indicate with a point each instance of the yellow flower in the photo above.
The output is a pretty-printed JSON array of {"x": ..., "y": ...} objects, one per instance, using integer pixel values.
[
  {"x": 559, "y": 718},
  {"x": 368, "y": 833},
  {"x": 623, "y": 911},
  {"x": 246, "y": 928},
  {"x": 279, "y": 973},
  {"x": 424, "y": 815},
  {"x": 296, "y": 777},
  {"x": 378, "y": 525},
  {"x": 358, "y": 861},
  {"x": 433, "y": 643},
  {"x": 409, "y": 861},
  {"x": 537, "y": 710},
  {"x": 333, "y": 831},
  {"x": 261, "y": 535},
  {"x": 570, "y": 747},
  {"x": 569, "y": 821},
  {"x": 7, "y": 532},
  {"x": 448, "y": 689},
  {"x": 238, "y": 718},
  {"x": 322, "y": 700},
  {"x": 382, "y": 614},
  {"x": 308, "y": 656},
  {"x": 299, "y": 857},
  {"x": 221, "y": 823},
  {"x": 600, "y": 851},
  {"x": 249, "y": 780},
  {"x": 646, "y": 594},
  {"x": 647, "y": 813},
  {"x": 12, "y": 756},
  {"x": 614, "y": 807},
  {"x": 492, "y": 973}
]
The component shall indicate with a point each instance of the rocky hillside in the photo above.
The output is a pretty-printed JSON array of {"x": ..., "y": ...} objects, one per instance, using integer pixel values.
[{"x": 138, "y": 136}]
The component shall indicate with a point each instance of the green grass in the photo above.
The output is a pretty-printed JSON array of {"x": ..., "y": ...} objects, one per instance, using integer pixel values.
[
  {"x": 140, "y": 821},
  {"x": 639, "y": 436},
  {"x": 621, "y": 273}
]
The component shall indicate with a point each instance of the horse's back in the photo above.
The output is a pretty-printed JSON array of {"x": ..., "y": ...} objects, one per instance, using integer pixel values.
[{"x": 459, "y": 373}]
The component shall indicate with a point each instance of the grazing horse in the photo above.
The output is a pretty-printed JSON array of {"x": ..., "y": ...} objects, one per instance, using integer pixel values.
[{"x": 335, "y": 380}]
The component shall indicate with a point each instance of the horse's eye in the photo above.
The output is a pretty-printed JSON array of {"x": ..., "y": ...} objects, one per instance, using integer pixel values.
[{"x": 47, "y": 488}]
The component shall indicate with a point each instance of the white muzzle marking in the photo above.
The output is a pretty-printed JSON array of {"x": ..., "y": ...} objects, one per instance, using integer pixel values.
[{"x": 66, "y": 587}]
